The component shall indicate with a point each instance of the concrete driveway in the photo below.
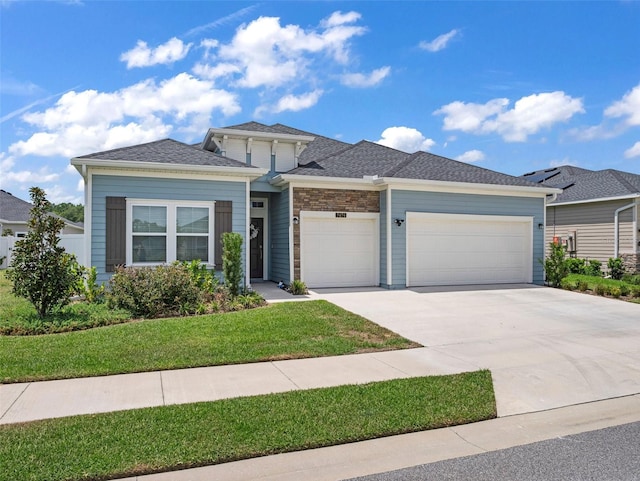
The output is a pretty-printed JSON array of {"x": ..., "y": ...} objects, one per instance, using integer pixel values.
[{"x": 546, "y": 348}]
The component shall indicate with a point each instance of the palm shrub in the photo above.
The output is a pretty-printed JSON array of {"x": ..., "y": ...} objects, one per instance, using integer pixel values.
[
  {"x": 41, "y": 271},
  {"x": 232, "y": 262},
  {"x": 298, "y": 287}
]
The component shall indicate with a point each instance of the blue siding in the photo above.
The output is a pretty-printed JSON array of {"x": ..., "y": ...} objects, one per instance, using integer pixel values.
[
  {"x": 165, "y": 189},
  {"x": 279, "y": 242},
  {"x": 448, "y": 203}
]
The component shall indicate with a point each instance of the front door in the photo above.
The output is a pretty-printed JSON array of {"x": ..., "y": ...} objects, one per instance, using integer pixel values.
[{"x": 256, "y": 234}]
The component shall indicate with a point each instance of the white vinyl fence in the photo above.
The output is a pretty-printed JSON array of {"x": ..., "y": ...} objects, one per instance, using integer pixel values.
[{"x": 72, "y": 243}]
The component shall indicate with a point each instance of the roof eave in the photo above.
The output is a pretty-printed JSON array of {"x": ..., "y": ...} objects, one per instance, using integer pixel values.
[
  {"x": 282, "y": 179},
  {"x": 459, "y": 185},
  {"x": 251, "y": 172},
  {"x": 601, "y": 199}
]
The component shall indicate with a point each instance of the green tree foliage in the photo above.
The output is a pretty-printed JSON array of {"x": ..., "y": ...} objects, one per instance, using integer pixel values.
[
  {"x": 232, "y": 261},
  {"x": 72, "y": 212},
  {"x": 41, "y": 271},
  {"x": 555, "y": 265}
]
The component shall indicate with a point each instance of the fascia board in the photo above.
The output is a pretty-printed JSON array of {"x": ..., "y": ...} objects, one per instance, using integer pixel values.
[
  {"x": 253, "y": 173},
  {"x": 243, "y": 134},
  {"x": 591, "y": 201},
  {"x": 466, "y": 187},
  {"x": 325, "y": 182}
]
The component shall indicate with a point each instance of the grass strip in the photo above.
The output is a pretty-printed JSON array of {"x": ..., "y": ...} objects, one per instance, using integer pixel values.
[
  {"x": 289, "y": 330},
  {"x": 152, "y": 440}
]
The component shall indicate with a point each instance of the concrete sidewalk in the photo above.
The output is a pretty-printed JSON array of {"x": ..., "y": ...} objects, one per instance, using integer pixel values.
[{"x": 68, "y": 397}]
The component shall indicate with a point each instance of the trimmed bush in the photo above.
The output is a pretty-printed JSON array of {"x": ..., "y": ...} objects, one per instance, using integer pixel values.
[
  {"x": 616, "y": 268},
  {"x": 555, "y": 266},
  {"x": 155, "y": 291},
  {"x": 232, "y": 262}
]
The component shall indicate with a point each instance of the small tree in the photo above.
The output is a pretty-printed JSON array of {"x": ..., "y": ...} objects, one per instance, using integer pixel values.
[
  {"x": 616, "y": 268},
  {"x": 41, "y": 271},
  {"x": 555, "y": 265},
  {"x": 232, "y": 261}
]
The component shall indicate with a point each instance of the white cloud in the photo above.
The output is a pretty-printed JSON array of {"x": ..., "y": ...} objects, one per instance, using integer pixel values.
[
  {"x": 366, "y": 80},
  {"x": 471, "y": 156},
  {"x": 295, "y": 103},
  {"x": 143, "y": 56},
  {"x": 633, "y": 151},
  {"x": 89, "y": 121},
  {"x": 405, "y": 139},
  {"x": 628, "y": 107},
  {"x": 33, "y": 177},
  {"x": 440, "y": 42},
  {"x": 528, "y": 116},
  {"x": 263, "y": 53},
  {"x": 57, "y": 194}
]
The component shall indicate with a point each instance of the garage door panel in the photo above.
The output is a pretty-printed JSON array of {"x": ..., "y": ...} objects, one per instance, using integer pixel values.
[
  {"x": 467, "y": 249},
  {"x": 339, "y": 252}
]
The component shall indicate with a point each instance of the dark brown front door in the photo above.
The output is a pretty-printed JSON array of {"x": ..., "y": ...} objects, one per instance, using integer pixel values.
[{"x": 256, "y": 233}]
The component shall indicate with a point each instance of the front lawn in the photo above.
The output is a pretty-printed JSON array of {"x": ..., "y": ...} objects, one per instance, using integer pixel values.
[
  {"x": 619, "y": 289},
  {"x": 289, "y": 330},
  {"x": 136, "y": 442}
]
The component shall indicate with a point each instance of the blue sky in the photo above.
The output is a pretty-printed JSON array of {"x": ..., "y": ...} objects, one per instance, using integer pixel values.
[{"x": 509, "y": 86}]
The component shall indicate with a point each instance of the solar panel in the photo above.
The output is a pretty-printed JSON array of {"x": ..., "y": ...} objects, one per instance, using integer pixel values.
[{"x": 541, "y": 176}]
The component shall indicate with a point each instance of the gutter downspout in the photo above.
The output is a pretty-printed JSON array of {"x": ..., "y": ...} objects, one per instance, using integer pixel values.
[{"x": 616, "y": 228}]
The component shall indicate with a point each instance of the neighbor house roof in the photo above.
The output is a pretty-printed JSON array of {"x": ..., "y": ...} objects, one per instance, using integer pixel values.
[
  {"x": 166, "y": 151},
  {"x": 18, "y": 211},
  {"x": 581, "y": 185}
]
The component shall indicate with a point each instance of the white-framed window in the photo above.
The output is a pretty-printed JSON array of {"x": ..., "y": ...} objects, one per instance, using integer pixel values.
[{"x": 163, "y": 231}]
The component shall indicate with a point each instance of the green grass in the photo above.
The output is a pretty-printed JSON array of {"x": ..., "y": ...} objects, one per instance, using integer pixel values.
[
  {"x": 150, "y": 440},
  {"x": 599, "y": 285},
  {"x": 280, "y": 331},
  {"x": 19, "y": 317}
]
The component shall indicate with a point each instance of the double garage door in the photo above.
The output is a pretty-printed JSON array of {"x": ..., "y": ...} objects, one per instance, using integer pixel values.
[
  {"x": 454, "y": 249},
  {"x": 339, "y": 249},
  {"x": 342, "y": 249}
]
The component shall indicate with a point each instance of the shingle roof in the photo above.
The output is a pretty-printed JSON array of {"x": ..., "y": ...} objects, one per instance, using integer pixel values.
[
  {"x": 13, "y": 209},
  {"x": 426, "y": 166},
  {"x": 583, "y": 184},
  {"x": 166, "y": 151}
]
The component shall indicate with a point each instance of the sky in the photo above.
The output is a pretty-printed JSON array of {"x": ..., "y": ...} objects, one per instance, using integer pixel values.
[{"x": 508, "y": 86}]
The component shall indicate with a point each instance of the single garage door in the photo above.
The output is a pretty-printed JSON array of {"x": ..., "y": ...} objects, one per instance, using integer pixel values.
[
  {"x": 339, "y": 249},
  {"x": 453, "y": 249}
]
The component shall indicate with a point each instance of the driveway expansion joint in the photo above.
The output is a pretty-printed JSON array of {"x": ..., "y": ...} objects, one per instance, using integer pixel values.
[
  {"x": 6, "y": 411},
  {"x": 284, "y": 374}
]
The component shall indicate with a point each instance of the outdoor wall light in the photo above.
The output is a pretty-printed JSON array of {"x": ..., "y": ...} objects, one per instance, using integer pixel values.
[
  {"x": 296, "y": 220},
  {"x": 540, "y": 226},
  {"x": 398, "y": 222}
]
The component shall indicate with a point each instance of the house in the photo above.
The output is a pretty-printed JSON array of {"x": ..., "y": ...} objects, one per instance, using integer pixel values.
[
  {"x": 596, "y": 215},
  {"x": 309, "y": 207},
  {"x": 15, "y": 214}
]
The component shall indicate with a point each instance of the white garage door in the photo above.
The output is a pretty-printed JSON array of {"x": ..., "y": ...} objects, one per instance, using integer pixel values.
[
  {"x": 339, "y": 249},
  {"x": 453, "y": 249}
]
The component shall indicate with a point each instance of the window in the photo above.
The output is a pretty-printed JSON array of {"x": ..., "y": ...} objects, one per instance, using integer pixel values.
[{"x": 165, "y": 231}]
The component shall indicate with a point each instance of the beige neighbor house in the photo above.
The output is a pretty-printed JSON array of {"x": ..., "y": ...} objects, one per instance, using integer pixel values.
[{"x": 596, "y": 215}]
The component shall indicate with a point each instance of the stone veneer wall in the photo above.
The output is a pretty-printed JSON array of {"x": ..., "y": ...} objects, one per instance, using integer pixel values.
[
  {"x": 631, "y": 262},
  {"x": 328, "y": 200}
]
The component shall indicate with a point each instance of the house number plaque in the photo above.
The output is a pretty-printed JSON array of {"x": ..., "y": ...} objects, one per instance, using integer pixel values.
[{"x": 342, "y": 215}]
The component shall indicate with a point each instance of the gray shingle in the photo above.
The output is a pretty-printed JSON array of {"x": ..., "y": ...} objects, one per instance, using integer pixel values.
[
  {"x": 583, "y": 184},
  {"x": 166, "y": 151},
  {"x": 14, "y": 209}
]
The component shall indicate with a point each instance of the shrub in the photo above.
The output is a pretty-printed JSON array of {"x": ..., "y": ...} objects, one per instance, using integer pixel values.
[
  {"x": 635, "y": 291},
  {"x": 632, "y": 279},
  {"x": 154, "y": 292},
  {"x": 615, "y": 291},
  {"x": 616, "y": 268},
  {"x": 203, "y": 277},
  {"x": 624, "y": 290},
  {"x": 576, "y": 266},
  {"x": 567, "y": 284},
  {"x": 41, "y": 271},
  {"x": 232, "y": 261},
  {"x": 555, "y": 267},
  {"x": 601, "y": 289},
  {"x": 91, "y": 290},
  {"x": 583, "y": 286},
  {"x": 593, "y": 268},
  {"x": 298, "y": 287}
]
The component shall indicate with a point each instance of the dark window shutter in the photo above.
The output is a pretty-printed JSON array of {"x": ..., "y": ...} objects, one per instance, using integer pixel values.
[
  {"x": 223, "y": 223},
  {"x": 116, "y": 233}
]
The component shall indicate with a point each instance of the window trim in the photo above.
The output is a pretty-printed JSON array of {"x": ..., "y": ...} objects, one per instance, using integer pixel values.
[{"x": 172, "y": 231}]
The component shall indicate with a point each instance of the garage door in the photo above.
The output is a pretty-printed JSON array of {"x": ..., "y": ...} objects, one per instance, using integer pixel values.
[
  {"x": 447, "y": 249},
  {"x": 339, "y": 249}
]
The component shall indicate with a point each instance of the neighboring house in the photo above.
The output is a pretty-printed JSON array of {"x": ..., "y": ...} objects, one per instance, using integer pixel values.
[
  {"x": 309, "y": 207},
  {"x": 596, "y": 215},
  {"x": 15, "y": 214}
]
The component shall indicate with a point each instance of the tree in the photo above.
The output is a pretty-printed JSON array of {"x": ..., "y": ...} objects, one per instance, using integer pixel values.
[
  {"x": 41, "y": 270},
  {"x": 72, "y": 212},
  {"x": 232, "y": 261},
  {"x": 555, "y": 266}
]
